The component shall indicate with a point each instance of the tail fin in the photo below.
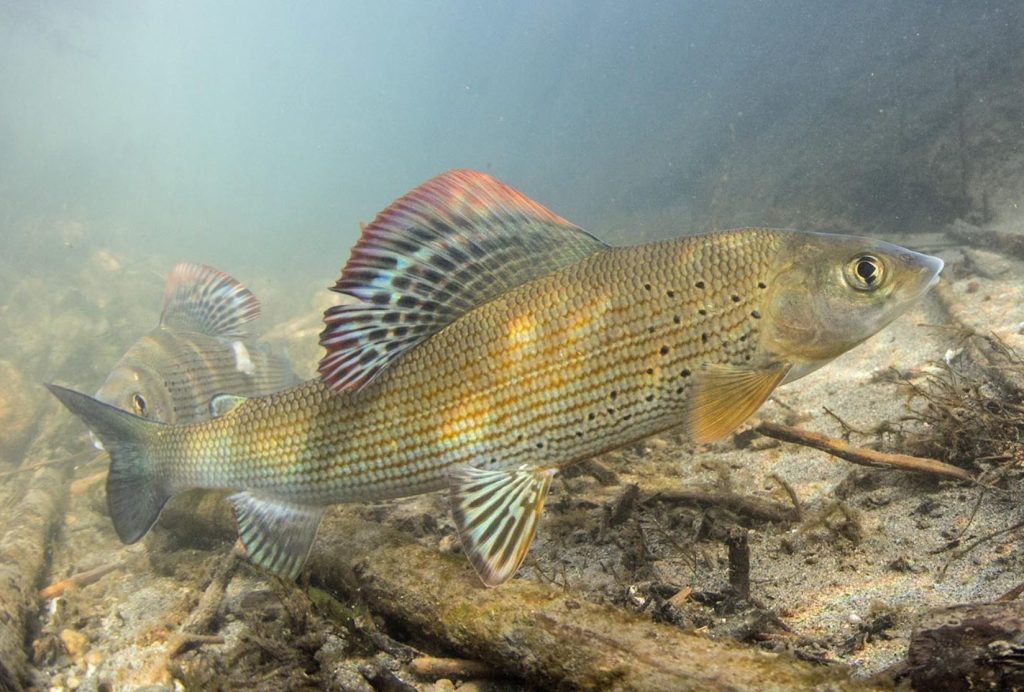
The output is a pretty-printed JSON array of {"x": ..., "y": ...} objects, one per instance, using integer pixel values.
[{"x": 135, "y": 495}]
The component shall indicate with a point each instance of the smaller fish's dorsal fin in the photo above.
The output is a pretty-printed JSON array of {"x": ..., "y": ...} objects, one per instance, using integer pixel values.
[
  {"x": 223, "y": 404},
  {"x": 496, "y": 514},
  {"x": 277, "y": 534},
  {"x": 455, "y": 242},
  {"x": 726, "y": 395},
  {"x": 202, "y": 299}
]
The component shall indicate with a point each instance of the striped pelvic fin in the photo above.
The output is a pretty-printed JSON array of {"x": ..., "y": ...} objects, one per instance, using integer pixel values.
[
  {"x": 455, "y": 242},
  {"x": 496, "y": 514},
  {"x": 198, "y": 298},
  {"x": 277, "y": 534}
]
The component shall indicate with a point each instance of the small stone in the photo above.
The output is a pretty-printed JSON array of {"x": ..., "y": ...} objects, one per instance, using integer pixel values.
[
  {"x": 443, "y": 685},
  {"x": 855, "y": 619},
  {"x": 74, "y": 642},
  {"x": 94, "y": 658},
  {"x": 73, "y": 683}
]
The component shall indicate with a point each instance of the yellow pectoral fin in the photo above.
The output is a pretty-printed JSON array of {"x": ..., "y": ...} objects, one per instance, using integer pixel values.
[{"x": 726, "y": 395}]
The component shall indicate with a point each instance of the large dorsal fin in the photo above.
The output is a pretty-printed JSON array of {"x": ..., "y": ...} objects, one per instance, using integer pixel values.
[
  {"x": 455, "y": 242},
  {"x": 199, "y": 298}
]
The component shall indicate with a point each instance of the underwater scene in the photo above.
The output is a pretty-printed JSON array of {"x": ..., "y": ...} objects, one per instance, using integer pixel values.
[{"x": 494, "y": 346}]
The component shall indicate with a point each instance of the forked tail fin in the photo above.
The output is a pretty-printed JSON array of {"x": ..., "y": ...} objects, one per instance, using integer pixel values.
[{"x": 135, "y": 495}]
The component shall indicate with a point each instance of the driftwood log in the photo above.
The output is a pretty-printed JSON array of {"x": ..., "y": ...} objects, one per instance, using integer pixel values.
[
  {"x": 534, "y": 631},
  {"x": 24, "y": 545},
  {"x": 1010, "y": 244},
  {"x": 968, "y": 647}
]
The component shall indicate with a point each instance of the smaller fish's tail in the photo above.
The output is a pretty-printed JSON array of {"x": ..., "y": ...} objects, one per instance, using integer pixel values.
[{"x": 135, "y": 495}]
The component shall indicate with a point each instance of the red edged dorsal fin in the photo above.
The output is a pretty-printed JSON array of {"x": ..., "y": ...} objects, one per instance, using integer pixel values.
[{"x": 457, "y": 241}]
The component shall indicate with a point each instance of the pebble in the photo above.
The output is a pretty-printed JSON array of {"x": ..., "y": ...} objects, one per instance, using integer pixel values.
[
  {"x": 74, "y": 642},
  {"x": 855, "y": 619}
]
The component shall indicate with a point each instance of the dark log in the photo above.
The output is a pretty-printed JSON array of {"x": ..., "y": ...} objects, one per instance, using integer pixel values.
[
  {"x": 545, "y": 635},
  {"x": 1010, "y": 244},
  {"x": 974, "y": 646}
]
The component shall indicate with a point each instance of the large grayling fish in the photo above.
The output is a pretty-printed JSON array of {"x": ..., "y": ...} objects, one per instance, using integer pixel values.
[
  {"x": 492, "y": 343},
  {"x": 203, "y": 347}
]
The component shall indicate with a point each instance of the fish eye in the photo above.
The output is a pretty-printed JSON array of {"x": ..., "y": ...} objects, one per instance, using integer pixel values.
[
  {"x": 865, "y": 272},
  {"x": 139, "y": 404}
]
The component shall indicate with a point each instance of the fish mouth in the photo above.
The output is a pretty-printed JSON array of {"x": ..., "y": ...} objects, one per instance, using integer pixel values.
[{"x": 934, "y": 265}]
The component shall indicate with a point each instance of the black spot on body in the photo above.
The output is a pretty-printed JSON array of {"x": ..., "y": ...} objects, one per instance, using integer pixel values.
[
  {"x": 664, "y": 350},
  {"x": 755, "y": 314},
  {"x": 647, "y": 287},
  {"x": 735, "y": 298},
  {"x": 762, "y": 284},
  {"x": 591, "y": 416},
  {"x": 702, "y": 312},
  {"x": 676, "y": 319},
  {"x": 671, "y": 294},
  {"x": 699, "y": 284},
  {"x": 704, "y": 337},
  {"x": 686, "y": 372}
]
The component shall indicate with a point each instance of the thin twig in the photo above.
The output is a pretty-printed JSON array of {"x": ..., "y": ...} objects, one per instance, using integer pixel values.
[
  {"x": 79, "y": 580},
  {"x": 433, "y": 668},
  {"x": 797, "y": 509},
  {"x": 860, "y": 455}
]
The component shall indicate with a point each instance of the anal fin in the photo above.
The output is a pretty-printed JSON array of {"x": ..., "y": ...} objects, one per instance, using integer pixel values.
[
  {"x": 726, "y": 395},
  {"x": 496, "y": 513},
  {"x": 277, "y": 534}
]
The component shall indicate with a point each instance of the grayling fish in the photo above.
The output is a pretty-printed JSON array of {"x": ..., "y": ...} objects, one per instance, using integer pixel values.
[
  {"x": 202, "y": 348},
  {"x": 492, "y": 343}
]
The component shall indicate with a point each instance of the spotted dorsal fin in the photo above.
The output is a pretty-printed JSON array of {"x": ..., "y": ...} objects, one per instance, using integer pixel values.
[
  {"x": 202, "y": 299},
  {"x": 496, "y": 513},
  {"x": 455, "y": 242}
]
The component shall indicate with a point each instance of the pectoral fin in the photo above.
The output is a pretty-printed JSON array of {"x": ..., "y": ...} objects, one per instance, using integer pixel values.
[
  {"x": 726, "y": 395},
  {"x": 223, "y": 404},
  {"x": 277, "y": 534},
  {"x": 496, "y": 513}
]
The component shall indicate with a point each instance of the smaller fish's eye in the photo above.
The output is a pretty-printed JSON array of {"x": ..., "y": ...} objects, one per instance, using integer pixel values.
[
  {"x": 864, "y": 272},
  {"x": 139, "y": 404}
]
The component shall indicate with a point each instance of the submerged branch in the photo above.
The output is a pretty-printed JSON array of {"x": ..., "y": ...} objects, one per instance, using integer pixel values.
[
  {"x": 548, "y": 636},
  {"x": 860, "y": 455},
  {"x": 79, "y": 580}
]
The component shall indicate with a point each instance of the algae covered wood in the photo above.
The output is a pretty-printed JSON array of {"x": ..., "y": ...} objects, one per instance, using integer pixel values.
[
  {"x": 24, "y": 548},
  {"x": 971, "y": 646},
  {"x": 548, "y": 636}
]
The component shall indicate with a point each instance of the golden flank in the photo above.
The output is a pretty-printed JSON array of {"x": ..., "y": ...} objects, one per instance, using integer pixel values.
[{"x": 489, "y": 343}]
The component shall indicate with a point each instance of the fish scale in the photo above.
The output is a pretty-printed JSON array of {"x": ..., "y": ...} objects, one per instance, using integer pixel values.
[
  {"x": 532, "y": 409},
  {"x": 489, "y": 343}
]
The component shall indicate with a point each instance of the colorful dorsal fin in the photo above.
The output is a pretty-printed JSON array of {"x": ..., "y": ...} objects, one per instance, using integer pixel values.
[
  {"x": 277, "y": 534},
  {"x": 496, "y": 514},
  {"x": 455, "y": 242},
  {"x": 202, "y": 299},
  {"x": 726, "y": 395}
]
